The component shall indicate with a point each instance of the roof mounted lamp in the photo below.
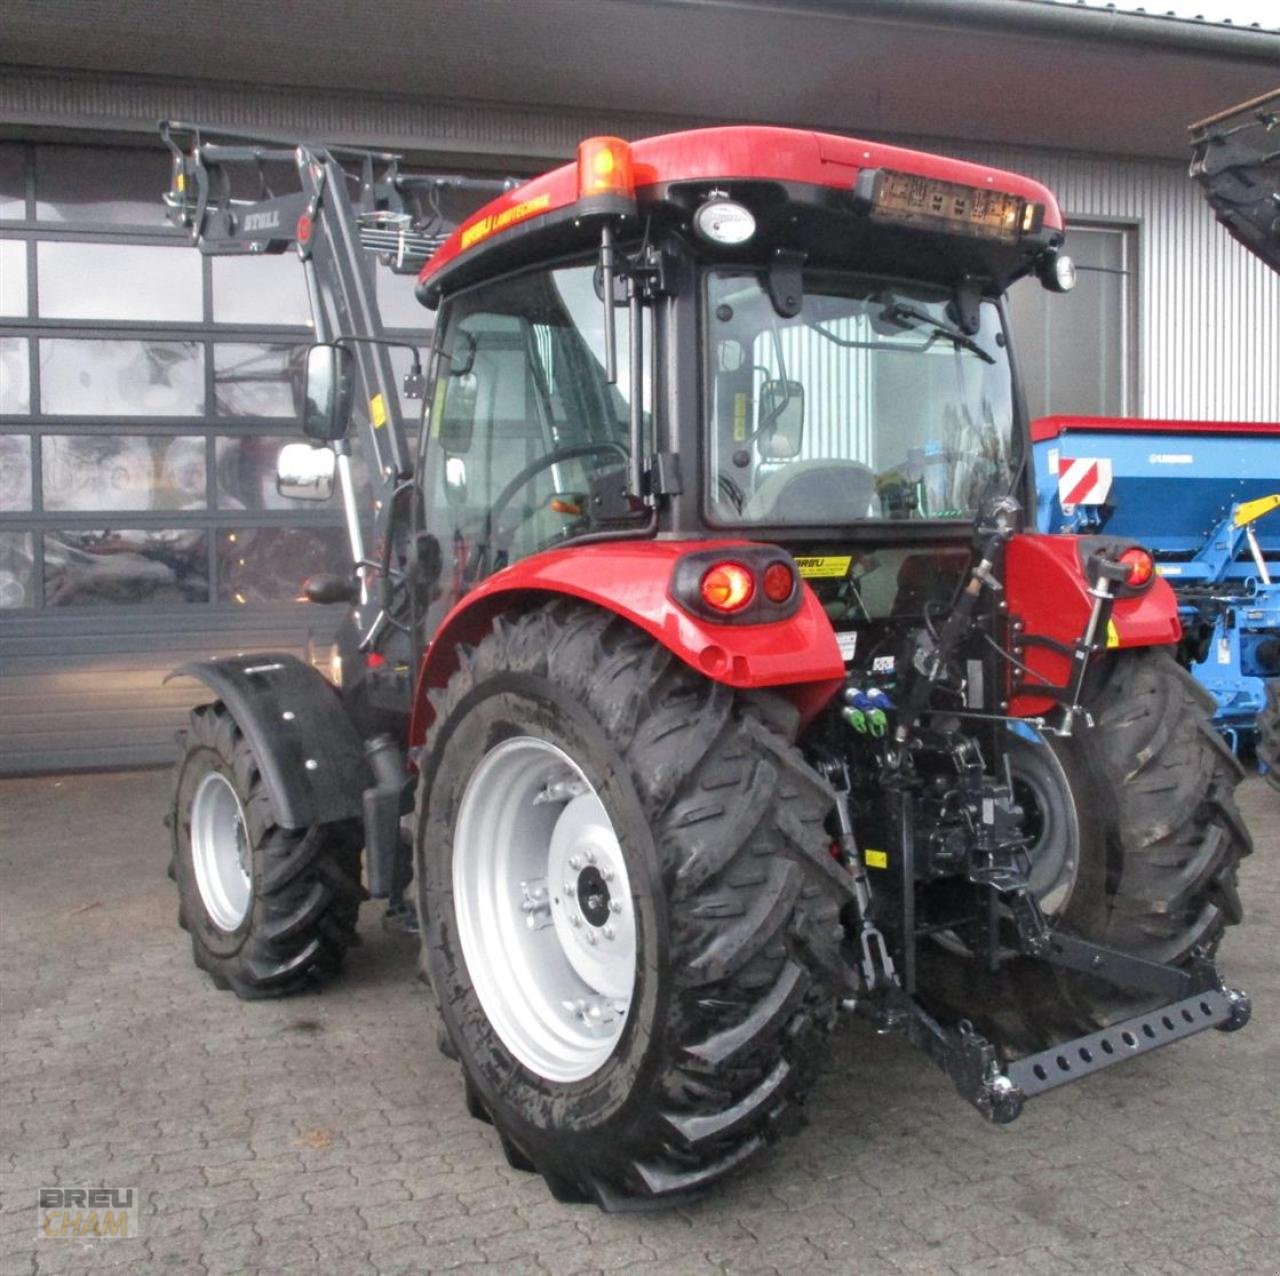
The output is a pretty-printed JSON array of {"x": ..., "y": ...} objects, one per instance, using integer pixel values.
[
  {"x": 1057, "y": 271},
  {"x": 724, "y": 221}
]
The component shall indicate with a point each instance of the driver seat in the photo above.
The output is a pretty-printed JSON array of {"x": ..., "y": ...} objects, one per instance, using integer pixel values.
[{"x": 820, "y": 491}]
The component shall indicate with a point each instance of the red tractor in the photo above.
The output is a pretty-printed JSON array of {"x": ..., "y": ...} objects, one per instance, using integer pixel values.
[{"x": 706, "y": 652}]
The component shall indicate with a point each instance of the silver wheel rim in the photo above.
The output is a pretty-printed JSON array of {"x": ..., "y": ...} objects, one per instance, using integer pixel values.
[
  {"x": 543, "y": 902},
  {"x": 1055, "y": 850},
  {"x": 220, "y": 851}
]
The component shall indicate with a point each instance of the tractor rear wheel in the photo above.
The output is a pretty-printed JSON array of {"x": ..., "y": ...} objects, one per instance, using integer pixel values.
[
  {"x": 1269, "y": 735},
  {"x": 1143, "y": 815},
  {"x": 631, "y": 916},
  {"x": 268, "y": 909}
]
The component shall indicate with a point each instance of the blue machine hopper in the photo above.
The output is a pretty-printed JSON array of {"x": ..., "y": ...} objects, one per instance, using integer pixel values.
[{"x": 1204, "y": 497}]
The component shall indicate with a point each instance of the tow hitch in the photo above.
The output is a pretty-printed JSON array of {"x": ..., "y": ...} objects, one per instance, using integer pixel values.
[
  {"x": 1193, "y": 996},
  {"x": 1196, "y": 999},
  {"x": 999, "y": 1088}
]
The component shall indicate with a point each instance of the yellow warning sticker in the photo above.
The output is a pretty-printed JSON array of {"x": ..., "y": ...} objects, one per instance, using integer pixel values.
[
  {"x": 1113, "y": 634},
  {"x": 378, "y": 411},
  {"x": 437, "y": 408},
  {"x": 824, "y": 565},
  {"x": 876, "y": 859},
  {"x": 739, "y": 418}
]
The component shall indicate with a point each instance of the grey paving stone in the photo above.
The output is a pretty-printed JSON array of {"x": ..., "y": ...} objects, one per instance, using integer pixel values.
[{"x": 326, "y": 1134}]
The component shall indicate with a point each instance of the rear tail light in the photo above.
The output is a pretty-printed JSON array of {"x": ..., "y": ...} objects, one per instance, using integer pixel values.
[
  {"x": 779, "y": 581},
  {"x": 1141, "y": 565},
  {"x": 727, "y": 587},
  {"x": 738, "y": 584}
]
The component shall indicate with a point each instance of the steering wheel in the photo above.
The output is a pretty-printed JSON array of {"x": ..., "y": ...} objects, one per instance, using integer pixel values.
[{"x": 535, "y": 467}]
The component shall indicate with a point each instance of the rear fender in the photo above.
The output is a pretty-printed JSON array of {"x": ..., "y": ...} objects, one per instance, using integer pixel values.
[
  {"x": 1048, "y": 594},
  {"x": 797, "y": 656},
  {"x": 311, "y": 758}
]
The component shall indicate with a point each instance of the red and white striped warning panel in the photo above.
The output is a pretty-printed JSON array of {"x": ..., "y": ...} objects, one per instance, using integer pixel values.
[{"x": 1084, "y": 480}]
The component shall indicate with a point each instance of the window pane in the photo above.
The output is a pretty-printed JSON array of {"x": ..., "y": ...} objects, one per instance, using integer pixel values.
[
  {"x": 258, "y": 380},
  {"x": 119, "y": 281},
  {"x": 13, "y": 277},
  {"x": 1073, "y": 350},
  {"x": 269, "y": 564},
  {"x": 16, "y": 570},
  {"x": 246, "y": 475},
  {"x": 80, "y": 377},
  {"x": 102, "y": 185},
  {"x": 15, "y": 376},
  {"x": 125, "y": 567},
  {"x": 13, "y": 182},
  {"x": 397, "y": 304},
  {"x": 123, "y": 472},
  {"x": 15, "y": 473},
  {"x": 260, "y": 290}
]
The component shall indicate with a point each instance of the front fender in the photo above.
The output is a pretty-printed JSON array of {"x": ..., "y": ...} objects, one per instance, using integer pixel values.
[
  {"x": 632, "y": 579},
  {"x": 311, "y": 758},
  {"x": 1048, "y": 595}
]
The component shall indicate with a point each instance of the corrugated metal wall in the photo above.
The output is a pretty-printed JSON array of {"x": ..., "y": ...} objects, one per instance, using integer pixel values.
[{"x": 97, "y": 698}]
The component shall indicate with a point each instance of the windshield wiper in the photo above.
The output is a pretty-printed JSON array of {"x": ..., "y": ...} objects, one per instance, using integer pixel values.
[{"x": 898, "y": 312}]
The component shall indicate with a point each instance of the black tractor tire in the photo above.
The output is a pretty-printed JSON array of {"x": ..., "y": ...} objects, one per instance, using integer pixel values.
[
  {"x": 1150, "y": 792},
  {"x": 735, "y": 893},
  {"x": 1269, "y": 735},
  {"x": 305, "y": 890}
]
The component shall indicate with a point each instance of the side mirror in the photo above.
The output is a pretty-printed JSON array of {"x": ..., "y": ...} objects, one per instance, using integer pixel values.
[
  {"x": 781, "y": 427},
  {"x": 305, "y": 473},
  {"x": 330, "y": 387}
]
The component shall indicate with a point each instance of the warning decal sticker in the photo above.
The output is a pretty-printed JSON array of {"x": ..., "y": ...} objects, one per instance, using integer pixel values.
[{"x": 824, "y": 566}]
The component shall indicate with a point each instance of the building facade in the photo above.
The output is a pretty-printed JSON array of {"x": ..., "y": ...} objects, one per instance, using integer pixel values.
[{"x": 145, "y": 389}]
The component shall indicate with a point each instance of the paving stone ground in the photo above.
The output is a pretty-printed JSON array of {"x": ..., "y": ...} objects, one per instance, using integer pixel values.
[{"x": 326, "y": 1134}]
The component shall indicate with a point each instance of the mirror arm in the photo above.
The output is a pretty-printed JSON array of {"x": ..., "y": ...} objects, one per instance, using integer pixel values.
[{"x": 415, "y": 370}]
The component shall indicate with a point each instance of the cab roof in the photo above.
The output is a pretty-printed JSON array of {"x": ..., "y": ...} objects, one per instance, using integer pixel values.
[{"x": 792, "y": 158}]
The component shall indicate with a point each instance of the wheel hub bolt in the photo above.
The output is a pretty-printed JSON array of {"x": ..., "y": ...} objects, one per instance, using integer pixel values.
[
  {"x": 575, "y": 862},
  {"x": 608, "y": 932},
  {"x": 615, "y": 906},
  {"x": 591, "y": 938}
]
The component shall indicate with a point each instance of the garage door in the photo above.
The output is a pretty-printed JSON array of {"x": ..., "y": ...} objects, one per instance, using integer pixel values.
[{"x": 144, "y": 392}]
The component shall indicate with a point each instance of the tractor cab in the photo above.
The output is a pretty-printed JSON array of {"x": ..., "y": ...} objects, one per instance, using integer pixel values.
[{"x": 803, "y": 342}]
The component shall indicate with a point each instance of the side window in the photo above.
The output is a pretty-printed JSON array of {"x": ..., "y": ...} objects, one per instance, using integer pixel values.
[
  {"x": 521, "y": 418},
  {"x": 1076, "y": 352}
]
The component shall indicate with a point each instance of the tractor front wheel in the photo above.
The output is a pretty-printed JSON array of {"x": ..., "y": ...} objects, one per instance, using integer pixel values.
[
  {"x": 268, "y": 909},
  {"x": 631, "y": 917}
]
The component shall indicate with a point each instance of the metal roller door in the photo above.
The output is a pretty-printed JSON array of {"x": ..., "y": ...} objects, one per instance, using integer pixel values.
[{"x": 144, "y": 390}]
